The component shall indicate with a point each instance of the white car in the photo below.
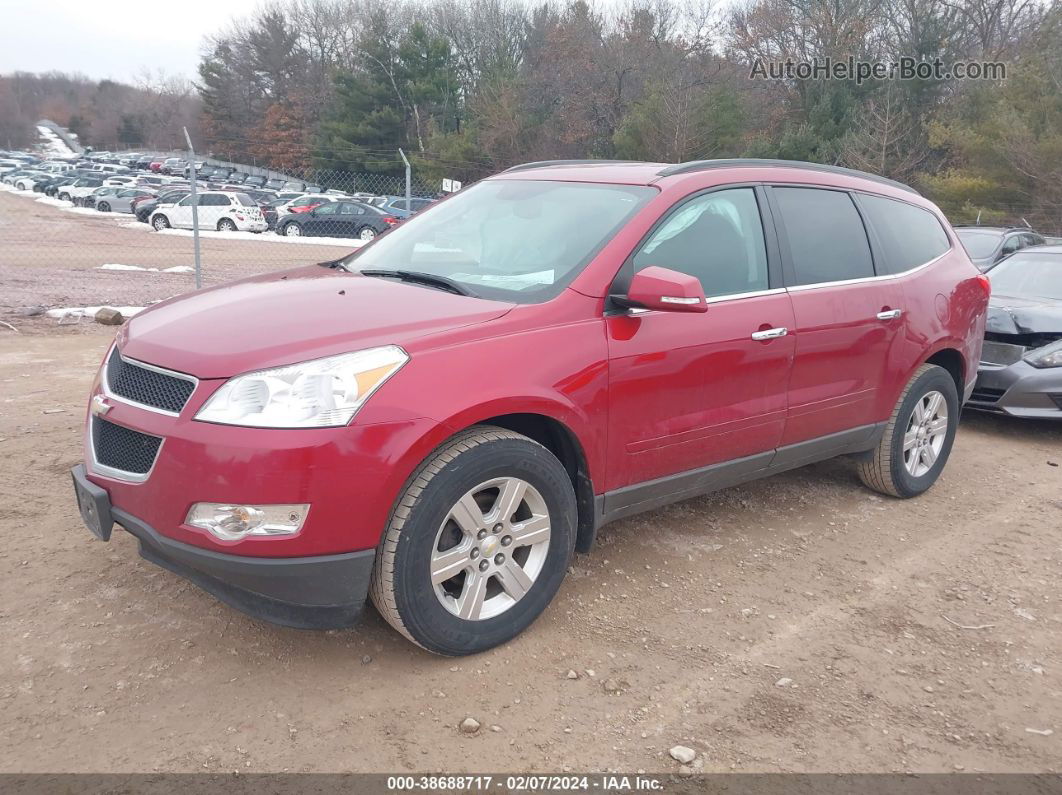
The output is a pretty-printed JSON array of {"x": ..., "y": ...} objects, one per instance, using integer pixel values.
[
  {"x": 224, "y": 211},
  {"x": 9, "y": 165},
  {"x": 120, "y": 180},
  {"x": 79, "y": 189}
]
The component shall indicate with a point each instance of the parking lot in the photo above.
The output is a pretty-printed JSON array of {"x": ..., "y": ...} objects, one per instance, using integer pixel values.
[
  {"x": 796, "y": 624},
  {"x": 53, "y": 256}
]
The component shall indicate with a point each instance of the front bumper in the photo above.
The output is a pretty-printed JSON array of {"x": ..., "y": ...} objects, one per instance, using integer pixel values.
[
  {"x": 319, "y": 592},
  {"x": 1019, "y": 390}
]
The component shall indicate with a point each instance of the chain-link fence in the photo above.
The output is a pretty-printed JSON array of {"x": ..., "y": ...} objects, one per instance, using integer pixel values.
[{"x": 123, "y": 236}]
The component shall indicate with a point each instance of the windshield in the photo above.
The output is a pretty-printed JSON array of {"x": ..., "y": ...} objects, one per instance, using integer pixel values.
[
  {"x": 1028, "y": 275},
  {"x": 513, "y": 240},
  {"x": 978, "y": 244}
]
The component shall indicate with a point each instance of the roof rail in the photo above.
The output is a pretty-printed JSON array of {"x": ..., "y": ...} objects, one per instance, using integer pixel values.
[
  {"x": 750, "y": 162},
  {"x": 548, "y": 163}
]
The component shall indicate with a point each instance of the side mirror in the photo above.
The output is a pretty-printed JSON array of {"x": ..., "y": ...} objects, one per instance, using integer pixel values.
[{"x": 664, "y": 290}]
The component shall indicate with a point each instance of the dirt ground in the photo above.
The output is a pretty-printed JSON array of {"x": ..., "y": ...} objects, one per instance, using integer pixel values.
[{"x": 796, "y": 624}]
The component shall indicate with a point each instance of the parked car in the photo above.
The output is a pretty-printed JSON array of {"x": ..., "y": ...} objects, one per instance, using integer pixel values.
[
  {"x": 226, "y": 212},
  {"x": 1021, "y": 361},
  {"x": 397, "y": 205},
  {"x": 10, "y": 165},
  {"x": 304, "y": 203},
  {"x": 79, "y": 188},
  {"x": 274, "y": 184},
  {"x": 174, "y": 166},
  {"x": 551, "y": 349},
  {"x": 254, "y": 181},
  {"x": 987, "y": 245},
  {"x": 122, "y": 201},
  {"x": 144, "y": 208},
  {"x": 31, "y": 181},
  {"x": 90, "y": 199},
  {"x": 337, "y": 219}
]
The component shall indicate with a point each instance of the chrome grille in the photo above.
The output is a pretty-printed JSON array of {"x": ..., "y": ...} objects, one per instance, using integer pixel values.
[
  {"x": 147, "y": 386},
  {"x": 123, "y": 449}
]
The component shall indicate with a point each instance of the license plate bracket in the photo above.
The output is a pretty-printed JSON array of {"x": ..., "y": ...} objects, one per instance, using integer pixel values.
[{"x": 94, "y": 505}]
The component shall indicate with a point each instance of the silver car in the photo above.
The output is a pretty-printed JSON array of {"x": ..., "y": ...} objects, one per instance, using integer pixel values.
[
  {"x": 1021, "y": 362},
  {"x": 122, "y": 201}
]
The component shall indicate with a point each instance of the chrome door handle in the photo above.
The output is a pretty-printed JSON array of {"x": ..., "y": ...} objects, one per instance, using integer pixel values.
[
  {"x": 769, "y": 334},
  {"x": 891, "y": 314}
]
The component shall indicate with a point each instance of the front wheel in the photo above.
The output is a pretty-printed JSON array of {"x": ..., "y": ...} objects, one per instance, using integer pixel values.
[
  {"x": 918, "y": 437},
  {"x": 160, "y": 222},
  {"x": 103, "y": 207},
  {"x": 292, "y": 230},
  {"x": 478, "y": 543},
  {"x": 226, "y": 225}
]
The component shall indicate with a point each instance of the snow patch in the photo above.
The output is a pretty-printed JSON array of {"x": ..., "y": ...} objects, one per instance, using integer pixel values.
[
  {"x": 265, "y": 237},
  {"x": 90, "y": 311},
  {"x": 116, "y": 266}
]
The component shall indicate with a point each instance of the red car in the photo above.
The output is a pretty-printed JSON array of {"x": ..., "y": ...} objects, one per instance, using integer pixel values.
[{"x": 440, "y": 419}]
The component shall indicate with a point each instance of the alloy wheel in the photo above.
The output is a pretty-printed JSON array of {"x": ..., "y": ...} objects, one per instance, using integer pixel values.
[
  {"x": 368, "y": 233},
  {"x": 927, "y": 430},
  {"x": 490, "y": 548},
  {"x": 292, "y": 230}
]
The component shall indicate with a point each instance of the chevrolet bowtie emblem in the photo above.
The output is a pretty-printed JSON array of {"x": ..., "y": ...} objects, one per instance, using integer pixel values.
[{"x": 99, "y": 406}]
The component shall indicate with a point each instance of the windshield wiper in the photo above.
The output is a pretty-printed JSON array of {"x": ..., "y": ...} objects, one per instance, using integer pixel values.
[{"x": 418, "y": 277}]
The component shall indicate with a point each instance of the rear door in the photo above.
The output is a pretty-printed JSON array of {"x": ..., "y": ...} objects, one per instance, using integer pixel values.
[
  {"x": 687, "y": 391},
  {"x": 847, "y": 319}
]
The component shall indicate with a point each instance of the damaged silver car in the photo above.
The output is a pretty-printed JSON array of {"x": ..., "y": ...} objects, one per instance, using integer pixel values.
[{"x": 1021, "y": 362}]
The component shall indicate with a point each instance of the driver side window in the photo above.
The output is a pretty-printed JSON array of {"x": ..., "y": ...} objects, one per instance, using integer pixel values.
[{"x": 717, "y": 238}]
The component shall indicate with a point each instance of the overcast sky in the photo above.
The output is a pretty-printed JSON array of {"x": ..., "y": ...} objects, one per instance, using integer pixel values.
[{"x": 109, "y": 38}]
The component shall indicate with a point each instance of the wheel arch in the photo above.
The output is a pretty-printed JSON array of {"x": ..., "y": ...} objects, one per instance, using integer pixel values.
[
  {"x": 951, "y": 360},
  {"x": 560, "y": 440},
  {"x": 550, "y": 427}
]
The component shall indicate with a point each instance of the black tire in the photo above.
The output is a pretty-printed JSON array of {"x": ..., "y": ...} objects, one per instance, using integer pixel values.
[
  {"x": 291, "y": 229},
  {"x": 226, "y": 225},
  {"x": 64, "y": 197},
  {"x": 103, "y": 207},
  {"x": 884, "y": 469},
  {"x": 367, "y": 237},
  {"x": 402, "y": 587},
  {"x": 160, "y": 222}
]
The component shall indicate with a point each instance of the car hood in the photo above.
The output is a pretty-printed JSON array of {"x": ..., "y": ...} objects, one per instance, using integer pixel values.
[
  {"x": 292, "y": 316},
  {"x": 1024, "y": 315}
]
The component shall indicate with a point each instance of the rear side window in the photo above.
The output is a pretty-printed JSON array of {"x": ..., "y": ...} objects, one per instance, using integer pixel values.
[
  {"x": 909, "y": 235},
  {"x": 827, "y": 241},
  {"x": 214, "y": 200}
]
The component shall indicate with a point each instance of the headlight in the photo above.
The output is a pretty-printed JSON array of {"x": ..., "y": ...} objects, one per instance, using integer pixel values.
[
  {"x": 316, "y": 394},
  {"x": 1047, "y": 356}
]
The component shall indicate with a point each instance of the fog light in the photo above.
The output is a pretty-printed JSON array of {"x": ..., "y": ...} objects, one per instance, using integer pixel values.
[{"x": 233, "y": 522}]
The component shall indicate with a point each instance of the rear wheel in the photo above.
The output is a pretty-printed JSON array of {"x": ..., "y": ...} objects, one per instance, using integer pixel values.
[
  {"x": 226, "y": 225},
  {"x": 64, "y": 197},
  {"x": 103, "y": 207},
  {"x": 918, "y": 437},
  {"x": 478, "y": 543},
  {"x": 366, "y": 233},
  {"x": 160, "y": 222}
]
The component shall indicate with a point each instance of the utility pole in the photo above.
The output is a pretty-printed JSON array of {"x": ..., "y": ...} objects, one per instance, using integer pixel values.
[
  {"x": 406, "y": 161},
  {"x": 195, "y": 211}
]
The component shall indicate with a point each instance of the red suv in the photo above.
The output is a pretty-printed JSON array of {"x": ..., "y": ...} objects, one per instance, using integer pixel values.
[{"x": 441, "y": 418}]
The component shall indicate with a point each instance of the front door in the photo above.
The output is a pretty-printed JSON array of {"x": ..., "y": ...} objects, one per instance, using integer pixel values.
[{"x": 687, "y": 391}]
